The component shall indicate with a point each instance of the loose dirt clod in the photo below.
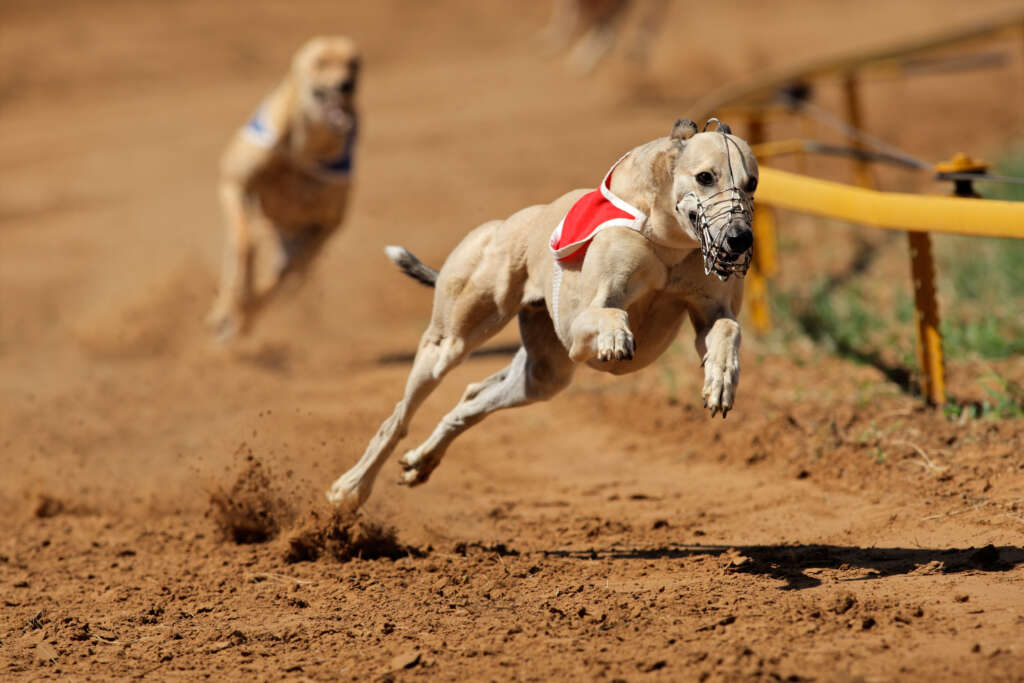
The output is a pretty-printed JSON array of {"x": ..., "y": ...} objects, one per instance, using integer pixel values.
[
  {"x": 843, "y": 603},
  {"x": 344, "y": 537},
  {"x": 253, "y": 510},
  {"x": 48, "y": 506},
  {"x": 405, "y": 660}
]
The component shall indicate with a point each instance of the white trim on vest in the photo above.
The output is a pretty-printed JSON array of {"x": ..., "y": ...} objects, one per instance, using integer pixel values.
[{"x": 636, "y": 223}]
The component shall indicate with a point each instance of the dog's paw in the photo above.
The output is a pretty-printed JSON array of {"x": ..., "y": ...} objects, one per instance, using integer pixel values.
[
  {"x": 721, "y": 377},
  {"x": 346, "y": 495},
  {"x": 615, "y": 344},
  {"x": 416, "y": 468},
  {"x": 224, "y": 325}
]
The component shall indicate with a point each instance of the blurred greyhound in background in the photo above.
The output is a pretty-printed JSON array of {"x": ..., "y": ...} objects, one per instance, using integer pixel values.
[{"x": 290, "y": 165}]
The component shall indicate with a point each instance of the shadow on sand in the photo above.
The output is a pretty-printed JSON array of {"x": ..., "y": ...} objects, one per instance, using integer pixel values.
[{"x": 789, "y": 563}]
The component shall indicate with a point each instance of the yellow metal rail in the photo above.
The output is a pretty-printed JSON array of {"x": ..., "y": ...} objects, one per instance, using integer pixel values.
[
  {"x": 890, "y": 210},
  {"x": 918, "y": 215},
  {"x": 756, "y": 100}
]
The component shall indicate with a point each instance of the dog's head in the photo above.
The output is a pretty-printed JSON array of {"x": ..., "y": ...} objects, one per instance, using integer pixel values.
[
  {"x": 713, "y": 182},
  {"x": 325, "y": 72}
]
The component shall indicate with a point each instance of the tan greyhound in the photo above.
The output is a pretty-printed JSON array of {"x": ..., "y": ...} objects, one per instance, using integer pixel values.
[
  {"x": 291, "y": 164},
  {"x": 676, "y": 224}
]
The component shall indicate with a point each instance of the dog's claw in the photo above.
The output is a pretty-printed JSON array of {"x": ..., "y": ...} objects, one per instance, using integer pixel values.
[
  {"x": 615, "y": 345},
  {"x": 721, "y": 376}
]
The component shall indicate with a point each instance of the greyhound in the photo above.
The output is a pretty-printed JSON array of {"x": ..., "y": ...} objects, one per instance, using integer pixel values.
[
  {"x": 292, "y": 163},
  {"x": 602, "y": 277}
]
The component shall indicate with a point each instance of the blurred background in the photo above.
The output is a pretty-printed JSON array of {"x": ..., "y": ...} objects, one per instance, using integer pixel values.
[
  {"x": 113, "y": 115},
  {"x": 120, "y": 416}
]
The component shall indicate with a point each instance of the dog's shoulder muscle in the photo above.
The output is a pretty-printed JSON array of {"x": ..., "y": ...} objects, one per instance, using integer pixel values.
[
  {"x": 256, "y": 143},
  {"x": 623, "y": 263}
]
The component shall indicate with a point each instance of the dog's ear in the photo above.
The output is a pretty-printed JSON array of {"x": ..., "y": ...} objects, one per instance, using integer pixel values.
[{"x": 683, "y": 129}]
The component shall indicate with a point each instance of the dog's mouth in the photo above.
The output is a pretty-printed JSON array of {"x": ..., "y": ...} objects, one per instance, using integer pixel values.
[
  {"x": 336, "y": 105},
  {"x": 338, "y": 116},
  {"x": 726, "y": 262}
]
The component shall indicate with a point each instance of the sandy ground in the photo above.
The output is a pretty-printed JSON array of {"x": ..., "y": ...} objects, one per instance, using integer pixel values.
[{"x": 831, "y": 529}]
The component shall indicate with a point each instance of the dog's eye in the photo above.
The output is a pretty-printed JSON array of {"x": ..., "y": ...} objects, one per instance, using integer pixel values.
[
  {"x": 320, "y": 93},
  {"x": 705, "y": 178},
  {"x": 751, "y": 184}
]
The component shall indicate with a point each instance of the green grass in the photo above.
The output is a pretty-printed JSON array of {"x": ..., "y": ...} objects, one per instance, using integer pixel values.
[
  {"x": 981, "y": 282},
  {"x": 981, "y": 302},
  {"x": 1010, "y": 163},
  {"x": 1005, "y": 401},
  {"x": 844, "y": 321}
]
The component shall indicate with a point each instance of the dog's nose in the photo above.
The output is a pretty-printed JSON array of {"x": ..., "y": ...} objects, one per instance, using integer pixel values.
[{"x": 739, "y": 239}]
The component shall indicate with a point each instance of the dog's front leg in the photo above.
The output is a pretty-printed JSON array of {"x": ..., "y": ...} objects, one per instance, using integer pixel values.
[
  {"x": 227, "y": 317},
  {"x": 619, "y": 268},
  {"x": 718, "y": 344},
  {"x": 601, "y": 332}
]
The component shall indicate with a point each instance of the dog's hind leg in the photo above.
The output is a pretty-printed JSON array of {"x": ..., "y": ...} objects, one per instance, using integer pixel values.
[
  {"x": 457, "y": 328},
  {"x": 540, "y": 369},
  {"x": 476, "y": 295},
  {"x": 227, "y": 318},
  {"x": 434, "y": 358},
  {"x": 295, "y": 255}
]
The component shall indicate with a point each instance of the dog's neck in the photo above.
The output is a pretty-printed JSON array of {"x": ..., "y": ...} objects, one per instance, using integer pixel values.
[
  {"x": 317, "y": 140},
  {"x": 644, "y": 179}
]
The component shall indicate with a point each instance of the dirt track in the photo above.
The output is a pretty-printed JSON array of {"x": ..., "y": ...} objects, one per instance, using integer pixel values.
[{"x": 830, "y": 529}]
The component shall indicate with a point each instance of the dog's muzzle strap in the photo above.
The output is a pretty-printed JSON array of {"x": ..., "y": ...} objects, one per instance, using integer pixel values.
[{"x": 721, "y": 209}]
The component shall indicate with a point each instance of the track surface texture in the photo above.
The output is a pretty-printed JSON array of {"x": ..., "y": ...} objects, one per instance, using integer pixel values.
[{"x": 160, "y": 498}]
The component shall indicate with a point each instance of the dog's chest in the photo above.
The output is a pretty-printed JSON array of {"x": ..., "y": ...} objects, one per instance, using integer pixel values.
[
  {"x": 687, "y": 279},
  {"x": 291, "y": 197},
  {"x": 654, "y": 320}
]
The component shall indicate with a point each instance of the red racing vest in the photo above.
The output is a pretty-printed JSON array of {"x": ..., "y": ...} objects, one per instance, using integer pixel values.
[{"x": 592, "y": 213}]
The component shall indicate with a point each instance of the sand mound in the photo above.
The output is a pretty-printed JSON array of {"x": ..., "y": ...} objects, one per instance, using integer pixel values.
[
  {"x": 343, "y": 537},
  {"x": 47, "y": 505},
  {"x": 254, "y": 509}
]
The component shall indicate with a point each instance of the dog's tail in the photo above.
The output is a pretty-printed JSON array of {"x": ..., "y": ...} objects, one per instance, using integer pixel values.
[{"x": 411, "y": 265}]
